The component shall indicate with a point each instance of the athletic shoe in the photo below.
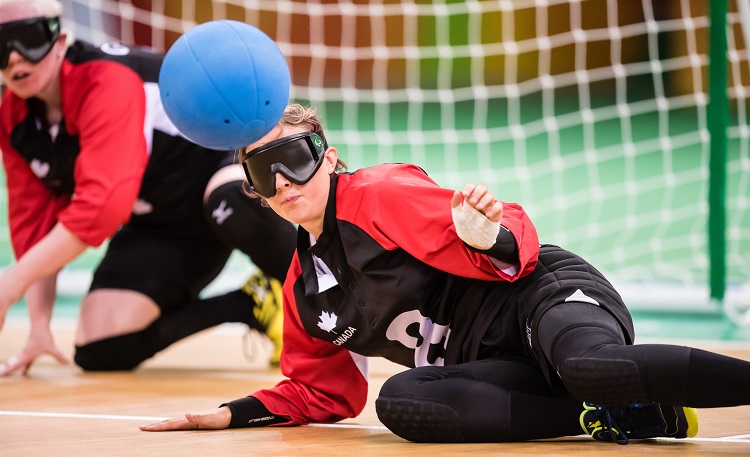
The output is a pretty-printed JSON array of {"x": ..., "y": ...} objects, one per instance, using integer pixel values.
[
  {"x": 266, "y": 292},
  {"x": 650, "y": 420}
]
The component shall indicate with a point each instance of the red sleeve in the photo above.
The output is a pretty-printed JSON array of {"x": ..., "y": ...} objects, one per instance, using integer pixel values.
[
  {"x": 105, "y": 105},
  {"x": 32, "y": 208},
  {"x": 324, "y": 383},
  {"x": 407, "y": 210}
]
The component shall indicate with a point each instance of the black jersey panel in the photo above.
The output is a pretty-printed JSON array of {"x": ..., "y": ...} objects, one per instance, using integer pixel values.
[
  {"x": 51, "y": 160},
  {"x": 147, "y": 64},
  {"x": 174, "y": 182}
]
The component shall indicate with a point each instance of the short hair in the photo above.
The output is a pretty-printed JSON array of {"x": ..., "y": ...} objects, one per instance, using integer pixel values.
[
  {"x": 295, "y": 115},
  {"x": 298, "y": 115}
]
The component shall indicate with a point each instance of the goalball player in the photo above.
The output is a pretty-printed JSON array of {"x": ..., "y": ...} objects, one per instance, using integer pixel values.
[
  {"x": 505, "y": 337},
  {"x": 90, "y": 156}
]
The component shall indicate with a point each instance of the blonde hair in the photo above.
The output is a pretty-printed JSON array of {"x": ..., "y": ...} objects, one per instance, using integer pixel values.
[{"x": 295, "y": 115}]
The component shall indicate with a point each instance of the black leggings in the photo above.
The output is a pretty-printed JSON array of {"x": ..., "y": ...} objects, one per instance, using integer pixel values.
[
  {"x": 187, "y": 265},
  {"x": 498, "y": 400},
  {"x": 490, "y": 400}
]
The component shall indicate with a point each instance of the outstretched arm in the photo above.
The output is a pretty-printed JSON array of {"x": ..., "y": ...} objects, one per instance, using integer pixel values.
[
  {"x": 43, "y": 260},
  {"x": 35, "y": 275},
  {"x": 215, "y": 419},
  {"x": 240, "y": 413},
  {"x": 40, "y": 298}
]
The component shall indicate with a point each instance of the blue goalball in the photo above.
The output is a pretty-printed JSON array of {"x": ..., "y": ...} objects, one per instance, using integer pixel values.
[{"x": 224, "y": 84}]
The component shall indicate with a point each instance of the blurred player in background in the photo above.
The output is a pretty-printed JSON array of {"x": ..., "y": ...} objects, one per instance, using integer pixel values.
[
  {"x": 89, "y": 156},
  {"x": 506, "y": 337}
]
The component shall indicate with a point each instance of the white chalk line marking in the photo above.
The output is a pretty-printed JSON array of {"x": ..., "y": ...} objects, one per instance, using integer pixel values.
[
  {"x": 80, "y": 416},
  {"x": 743, "y": 439},
  {"x": 153, "y": 419}
]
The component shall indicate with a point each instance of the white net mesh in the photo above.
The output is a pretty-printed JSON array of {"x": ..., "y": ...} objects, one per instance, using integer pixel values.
[{"x": 590, "y": 113}]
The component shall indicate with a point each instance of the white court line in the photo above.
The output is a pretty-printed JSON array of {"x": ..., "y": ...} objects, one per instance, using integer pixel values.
[
  {"x": 739, "y": 437},
  {"x": 363, "y": 427},
  {"x": 155, "y": 419},
  {"x": 726, "y": 439},
  {"x": 80, "y": 416},
  {"x": 742, "y": 439}
]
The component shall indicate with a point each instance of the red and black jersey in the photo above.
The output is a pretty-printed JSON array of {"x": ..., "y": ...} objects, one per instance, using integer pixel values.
[
  {"x": 114, "y": 158},
  {"x": 407, "y": 289}
]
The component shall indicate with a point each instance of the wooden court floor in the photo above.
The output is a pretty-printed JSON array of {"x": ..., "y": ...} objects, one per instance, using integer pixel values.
[{"x": 60, "y": 411}]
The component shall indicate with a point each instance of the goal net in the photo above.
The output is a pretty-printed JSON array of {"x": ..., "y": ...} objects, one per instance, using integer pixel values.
[{"x": 592, "y": 114}]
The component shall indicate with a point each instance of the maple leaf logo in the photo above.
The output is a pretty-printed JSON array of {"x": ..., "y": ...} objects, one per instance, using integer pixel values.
[{"x": 327, "y": 321}]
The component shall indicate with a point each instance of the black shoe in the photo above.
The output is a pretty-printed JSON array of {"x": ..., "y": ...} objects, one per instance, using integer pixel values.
[{"x": 650, "y": 420}]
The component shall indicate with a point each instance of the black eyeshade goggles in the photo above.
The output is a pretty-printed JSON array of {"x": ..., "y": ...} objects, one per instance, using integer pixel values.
[
  {"x": 298, "y": 157},
  {"x": 32, "y": 38}
]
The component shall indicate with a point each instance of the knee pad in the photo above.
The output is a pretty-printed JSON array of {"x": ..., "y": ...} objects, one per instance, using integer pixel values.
[
  {"x": 420, "y": 421},
  {"x": 603, "y": 381},
  {"x": 415, "y": 417},
  {"x": 120, "y": 353}
]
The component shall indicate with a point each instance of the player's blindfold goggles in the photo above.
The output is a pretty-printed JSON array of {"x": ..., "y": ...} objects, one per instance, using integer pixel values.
[
  {"x": 298, "y": 157},
  {"x": 32, "y": 38}
]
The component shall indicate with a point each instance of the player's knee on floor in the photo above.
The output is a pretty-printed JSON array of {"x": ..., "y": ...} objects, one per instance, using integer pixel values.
[
  {"x": 110, "y": 354},
  {"x": 603, "y": 381},
  {"x": 407, "y": 414},
  {"x": 589, "y": 354}
]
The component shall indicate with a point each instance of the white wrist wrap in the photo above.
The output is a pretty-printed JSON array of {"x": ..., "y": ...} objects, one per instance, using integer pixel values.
[{"x": 474, "y": 228}]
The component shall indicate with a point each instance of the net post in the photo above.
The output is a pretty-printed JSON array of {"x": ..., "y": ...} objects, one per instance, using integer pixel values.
[{"x": 718, "y": 108}]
